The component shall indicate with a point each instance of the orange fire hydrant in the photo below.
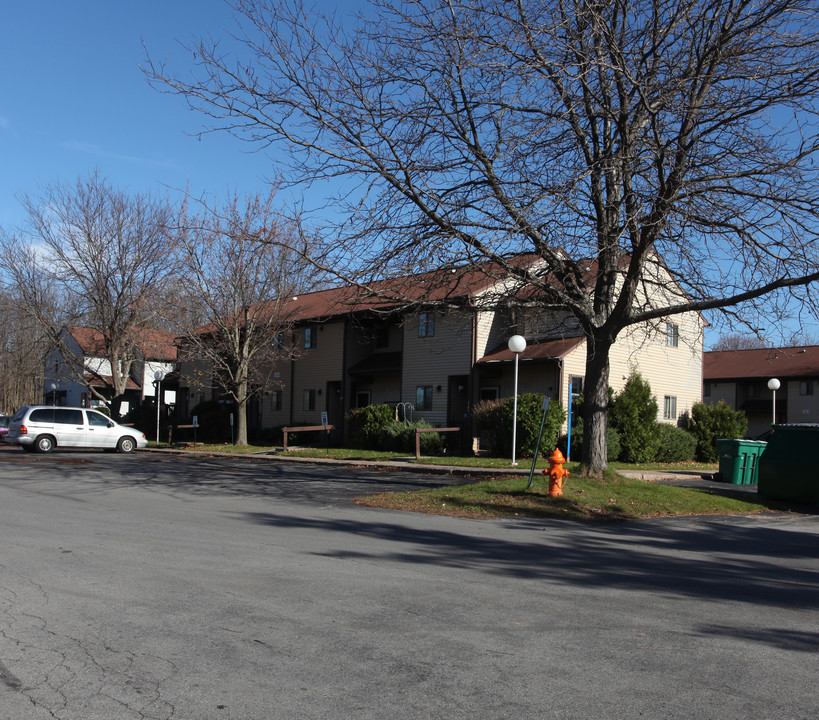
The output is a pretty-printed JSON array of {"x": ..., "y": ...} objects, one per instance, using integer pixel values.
[{"x": 557, "y": 474}]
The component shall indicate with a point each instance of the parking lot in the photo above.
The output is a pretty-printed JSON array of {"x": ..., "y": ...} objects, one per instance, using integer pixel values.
[{"x": 154, "y": 586}]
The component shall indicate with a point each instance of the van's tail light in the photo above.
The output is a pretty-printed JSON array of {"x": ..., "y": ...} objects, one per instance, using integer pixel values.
[{"x": 23, "y": 430}]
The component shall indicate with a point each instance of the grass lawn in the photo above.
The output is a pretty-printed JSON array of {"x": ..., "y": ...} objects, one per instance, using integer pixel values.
[{"x": 613, "y": 498}]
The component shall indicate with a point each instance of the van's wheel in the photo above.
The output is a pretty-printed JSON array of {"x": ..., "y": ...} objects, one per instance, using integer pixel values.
[
  {"x": 44, "y": 444},
  {"x": 126, "y": 445}
]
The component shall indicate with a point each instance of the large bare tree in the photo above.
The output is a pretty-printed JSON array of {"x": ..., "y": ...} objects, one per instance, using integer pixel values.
[
  {"x": 616, "y": 141},
  {"x": 240, "y": 268},
  {"x": 104, "y": 253}
]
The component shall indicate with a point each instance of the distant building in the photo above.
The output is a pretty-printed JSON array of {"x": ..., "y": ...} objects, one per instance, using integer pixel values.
[
  {"x": 78, "y": 364},
  {"x": 740, "y": 378}
]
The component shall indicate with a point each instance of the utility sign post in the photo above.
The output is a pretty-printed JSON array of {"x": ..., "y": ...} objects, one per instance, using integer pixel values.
[{"x": 537, "y": 445}]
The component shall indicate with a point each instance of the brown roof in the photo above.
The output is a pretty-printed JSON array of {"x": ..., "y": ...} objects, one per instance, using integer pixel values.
[
  {"x": 449, "y": 283},
  {"x": 103, "y": 381},
  {"x": 153, "y": 344},
  {"x": 761, "y": 363},
  {"x": 545, "y": 350}
]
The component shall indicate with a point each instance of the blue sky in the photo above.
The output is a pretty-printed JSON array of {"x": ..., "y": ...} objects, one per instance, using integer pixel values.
[{"x": 73, "y": 100}]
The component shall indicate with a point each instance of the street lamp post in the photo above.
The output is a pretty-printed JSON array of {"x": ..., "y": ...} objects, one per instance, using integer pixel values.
[
  {"x": 53, "y": 388},
  {"x": 158, "y": 375},
  {"x": 517, "y": 344},
  {"x": 773, "y": 386}
]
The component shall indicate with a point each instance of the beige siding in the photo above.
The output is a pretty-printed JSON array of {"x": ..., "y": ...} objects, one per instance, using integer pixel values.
[
  {"x": 671, "y": 371},
  {"x": 801, "y": 408},
  {"x": 315, "y": 367},
  {"x": 721, "y": 390},
  {"x": 281, "y": 383},
  {"x": 429, "y": 361}
]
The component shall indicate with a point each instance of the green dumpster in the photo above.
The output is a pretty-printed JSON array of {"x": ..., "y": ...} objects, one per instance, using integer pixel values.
[
  {"x": 739, "y": 460},
  {"x": 789, "y": 467}
]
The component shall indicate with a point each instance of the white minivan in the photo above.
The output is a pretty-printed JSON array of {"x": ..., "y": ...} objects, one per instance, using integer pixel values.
[{"x": 41, "y": 428}]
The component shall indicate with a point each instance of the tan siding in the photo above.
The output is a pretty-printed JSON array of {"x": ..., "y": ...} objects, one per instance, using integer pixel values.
[
  {"x": 671, "y": 371},
  {"x": 431, "y": 360},
  {"x": 801, "y": 408},
  {"x": 315, "y": 367}
]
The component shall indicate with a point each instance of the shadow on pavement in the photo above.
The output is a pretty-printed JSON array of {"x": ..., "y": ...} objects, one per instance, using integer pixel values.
[{"x": 715, "y": 559}]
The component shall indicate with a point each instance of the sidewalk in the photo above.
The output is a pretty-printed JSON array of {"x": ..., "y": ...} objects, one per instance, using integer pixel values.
[{"x": 692, "y": 478}]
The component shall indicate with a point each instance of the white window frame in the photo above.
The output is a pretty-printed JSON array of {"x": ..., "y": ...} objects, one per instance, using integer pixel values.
[
  {"x": 672, "y": 334},
  {"x": 426, "y": 324}
]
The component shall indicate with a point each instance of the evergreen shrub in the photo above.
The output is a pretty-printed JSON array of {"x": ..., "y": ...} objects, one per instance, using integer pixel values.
[
  {"x": 633, "y": 413},
  {"x": 367, "y": 423},
  {"x": 493, "y": 419},
  {"x": 674, "y": 444},
  {"x": 709, "y": 423}
]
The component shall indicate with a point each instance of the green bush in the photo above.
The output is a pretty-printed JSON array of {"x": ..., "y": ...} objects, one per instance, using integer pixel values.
[
  {"x": 493, "y": 420},
  {"x": 400, "y": 437},
  {"x": 674, "y": 444},
  {"x": 487, "y": 416},
  {"x": 367, "y": 423},
  {"x": 709, "y": 423},
  {"x": 612, "y": 442},
  {"x": 633, "y": 413}
]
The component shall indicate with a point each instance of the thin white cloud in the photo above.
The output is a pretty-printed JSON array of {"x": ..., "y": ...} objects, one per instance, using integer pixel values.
[{"x": 97, "y": 151}]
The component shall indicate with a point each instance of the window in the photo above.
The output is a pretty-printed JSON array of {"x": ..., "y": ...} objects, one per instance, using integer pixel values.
[
  {"x": 362, "y": 398},
  {"x": 276, "y": 400},
  {"x": 97, "y": 420},
  {"x": 69, "y": 417},
  {"x": 670, "y": 408},
  {"x": 576, "y": 385},
  {"x": 707, "y": 390},
  {"x": 672, "y": 335},
  {"x": 806, "y": 387},
  {"x": 491, "y": 392},
  {"x": 426, "y": 324},
  {"x": 309, "y": 338},
  {"x": 309, "y": 399},
  {"x": 278, "y": 343},
  {"x": 382, "y": 337},
  {"x": 423, "y": 397}
]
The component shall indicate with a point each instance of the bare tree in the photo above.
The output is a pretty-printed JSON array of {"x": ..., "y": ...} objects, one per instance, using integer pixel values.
[
  {"x": 739, "y": 342},
  {"x": 240, "y": 271},
  {"x": 22, "y": 354},
  {"x": 620, "y": 143},
  {"x": 104, "y": 253}
]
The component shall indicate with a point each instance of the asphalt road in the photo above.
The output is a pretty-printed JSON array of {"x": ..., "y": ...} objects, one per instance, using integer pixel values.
[{"x": 157, "y": 587}]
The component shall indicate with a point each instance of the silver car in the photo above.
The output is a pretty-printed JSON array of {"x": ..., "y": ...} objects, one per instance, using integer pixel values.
[{"x": 41, "y": 428}]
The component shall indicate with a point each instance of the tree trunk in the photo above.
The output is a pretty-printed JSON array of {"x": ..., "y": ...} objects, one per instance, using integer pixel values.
[
  {"x": 595, "y": 408},
  {"x": 241, "y": 413}
]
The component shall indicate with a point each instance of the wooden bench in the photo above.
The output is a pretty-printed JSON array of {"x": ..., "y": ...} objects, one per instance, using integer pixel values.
[{"x": 418, "y": 432}]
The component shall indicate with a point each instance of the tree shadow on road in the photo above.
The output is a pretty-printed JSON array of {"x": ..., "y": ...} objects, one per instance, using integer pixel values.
[{"x": 718, "y": 559}]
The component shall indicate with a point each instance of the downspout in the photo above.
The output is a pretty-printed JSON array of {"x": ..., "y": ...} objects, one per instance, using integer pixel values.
[
  {"x": 292, "y": 381},
  {"x": 344, "y": 380}
]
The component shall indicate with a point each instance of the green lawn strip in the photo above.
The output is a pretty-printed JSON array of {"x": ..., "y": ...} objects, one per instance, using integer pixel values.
[
  {"x": 614, "y": 498},
  {"x": 460, "y": 461}
]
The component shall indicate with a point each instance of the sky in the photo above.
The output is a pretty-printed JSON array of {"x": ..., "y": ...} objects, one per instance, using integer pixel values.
[{"x": 73, "y": 101}]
